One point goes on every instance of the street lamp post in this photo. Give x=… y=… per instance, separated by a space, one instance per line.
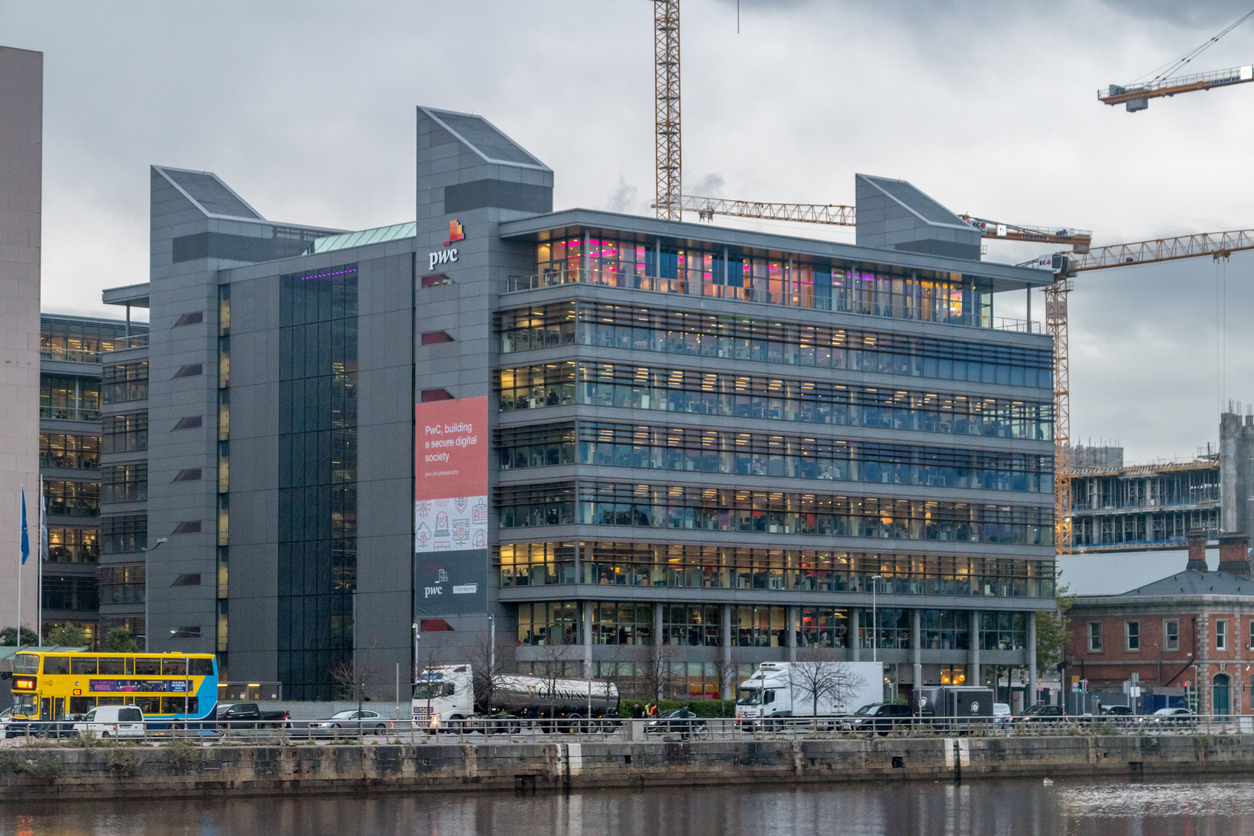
x=875 y=619
x=147 y=628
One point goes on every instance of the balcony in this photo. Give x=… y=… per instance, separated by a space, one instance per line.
x=69 y=413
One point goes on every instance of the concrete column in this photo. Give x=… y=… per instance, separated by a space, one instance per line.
x=587 y=638
x=1029 y=696
x=973 y=678
x=855 y=634
x=916 y=645
x=792 y=634
x=728 y=684
x=657 y=623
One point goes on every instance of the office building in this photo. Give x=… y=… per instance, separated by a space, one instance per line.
x=630 y=442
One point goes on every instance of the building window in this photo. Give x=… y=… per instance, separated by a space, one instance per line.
x=124 y=534
x=69 y=451
x=1131 y=635
x=1095 y=637
x=124 y=483
x=1252 y=633
x=954 y=675
x=69 y=398
x=1221 y=634
x=125 y=382
x=693 y=625
x=126 y=433
x=1003 y=631
x=1171 y=634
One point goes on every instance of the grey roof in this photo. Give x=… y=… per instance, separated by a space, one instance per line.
x=484 y=138
x=1194 y=583
x=361 y=238
x=909 y=197
x=212 y=195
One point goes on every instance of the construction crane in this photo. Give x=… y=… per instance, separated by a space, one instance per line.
x=667 y=145
x=1136 y=96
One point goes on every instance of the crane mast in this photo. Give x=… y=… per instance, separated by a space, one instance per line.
x=666 y=109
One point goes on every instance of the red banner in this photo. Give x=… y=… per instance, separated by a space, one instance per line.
x=451 y=475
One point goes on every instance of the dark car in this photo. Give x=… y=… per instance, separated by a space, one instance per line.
x=680 y=721
x=1042 y=712
x=879 y=718
x=1117 y=711
x=248 y=715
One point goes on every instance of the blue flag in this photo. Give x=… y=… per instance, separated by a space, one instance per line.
x=25 y=536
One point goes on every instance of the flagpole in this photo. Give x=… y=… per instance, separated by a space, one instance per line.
x=41 y=556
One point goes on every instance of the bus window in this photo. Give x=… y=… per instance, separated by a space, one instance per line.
x=173 y=705
x=83 y=664
x=56 y=664
x=147 y=667
x=202 y=667
x=173 y=667
x=112 y=665
x=81 y=705
x=112 y=701
x=45 y=708
x=149 y=705
x=26 y=663
x=130 y=665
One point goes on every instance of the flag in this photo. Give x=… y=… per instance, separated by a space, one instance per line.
x=25 y=535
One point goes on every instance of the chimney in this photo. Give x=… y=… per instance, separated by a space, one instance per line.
x=1234 y=554
x=1197 y=550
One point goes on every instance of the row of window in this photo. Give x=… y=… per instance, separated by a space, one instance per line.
x=68 y=398
x=740 y=396
x=73 y=545
x=72 y=499
x=70 y=451
x=122 y=382
x=692 y=625
x=697 y=334
x=124 y=482
x=773 y=279
x=125 y=433
x=712 y=509
x=796 y=570
x=759 y=454
x=1132 y=635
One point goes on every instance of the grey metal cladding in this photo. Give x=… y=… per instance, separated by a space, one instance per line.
x=235 y=247
x=947 y=249
x=483 y=136
x=894 y=214
x=498 y=194
x=211 y=193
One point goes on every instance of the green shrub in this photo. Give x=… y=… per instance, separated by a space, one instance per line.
x=123 y=762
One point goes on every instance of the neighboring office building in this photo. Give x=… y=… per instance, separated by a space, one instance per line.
x=636 y=438
x=21 y=176
x=1187 y=635
x=75 y=585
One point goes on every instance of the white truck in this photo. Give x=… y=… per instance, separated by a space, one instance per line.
x=787 y=689
x=445 y=695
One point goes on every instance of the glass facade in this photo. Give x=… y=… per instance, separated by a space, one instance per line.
x=696 y=334
x=70 y=451
x=767 y=277
x=772 y=399
x=69 y=398
x=627 y=563
x=762 y=454
x=124 y=382
x=317 y=514
x=125 y=433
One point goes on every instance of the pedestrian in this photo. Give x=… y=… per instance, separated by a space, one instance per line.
x=637 y=712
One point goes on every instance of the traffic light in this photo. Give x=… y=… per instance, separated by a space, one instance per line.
x=1079 y=686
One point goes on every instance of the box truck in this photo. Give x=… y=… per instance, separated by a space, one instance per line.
x=789 y=689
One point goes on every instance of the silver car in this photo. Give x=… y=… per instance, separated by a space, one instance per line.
x=352 y=720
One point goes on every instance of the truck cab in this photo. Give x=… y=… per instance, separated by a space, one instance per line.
x=443 y=693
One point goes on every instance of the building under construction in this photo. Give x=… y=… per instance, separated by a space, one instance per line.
x=1118 y=507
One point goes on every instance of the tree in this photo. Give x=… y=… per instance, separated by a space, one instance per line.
x=657 y=669
x=67 y=635
x=354 y=677
x=120 y=640
x=489 y=662
x=817 y=678
x=553 y=659
x=1052 y=633
x=8 y=637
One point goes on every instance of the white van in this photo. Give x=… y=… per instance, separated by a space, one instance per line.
x=113 y=721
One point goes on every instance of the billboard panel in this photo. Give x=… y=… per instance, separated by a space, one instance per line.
x=451 y=476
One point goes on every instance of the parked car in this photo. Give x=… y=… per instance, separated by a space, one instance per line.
x=680 y=721
x=1117 y=711
x=368 y=722
x=112 y=721
x=1042 y=712
x=878 y=718
x=1001 y=712
x=248 y=715
x=1171 y=717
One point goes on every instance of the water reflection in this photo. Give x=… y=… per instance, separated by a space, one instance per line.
x=1020 y=808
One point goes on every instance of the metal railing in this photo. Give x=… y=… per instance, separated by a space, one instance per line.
x=573 y=728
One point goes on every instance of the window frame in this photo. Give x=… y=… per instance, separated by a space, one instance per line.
x=1131 y=635
x=1221 y=627
x=1167 y=637
x=1091 y=634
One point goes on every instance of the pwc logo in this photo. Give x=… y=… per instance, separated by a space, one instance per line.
x=455 y=233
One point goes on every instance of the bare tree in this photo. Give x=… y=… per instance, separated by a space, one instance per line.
x=818 y=678
x=354 y=677
x=657 y=669
x=490 y=662
x=553 y=659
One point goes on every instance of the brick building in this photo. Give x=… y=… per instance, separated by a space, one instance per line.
x=1193 y=630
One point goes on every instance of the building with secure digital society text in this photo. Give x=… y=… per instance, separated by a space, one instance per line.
x=621 y=444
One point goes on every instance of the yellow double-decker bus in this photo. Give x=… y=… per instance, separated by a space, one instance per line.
x=173 y=689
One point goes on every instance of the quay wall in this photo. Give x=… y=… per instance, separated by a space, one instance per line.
x=31 y=773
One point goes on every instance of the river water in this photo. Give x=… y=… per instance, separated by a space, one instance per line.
x=1018 y=808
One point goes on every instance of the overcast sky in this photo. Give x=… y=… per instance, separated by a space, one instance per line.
x=307 y=110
